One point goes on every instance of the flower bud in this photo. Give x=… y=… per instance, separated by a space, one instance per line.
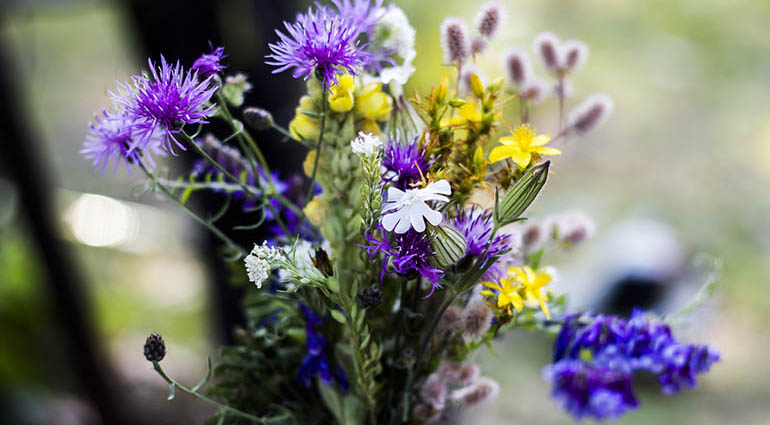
x=477 y=86
x=258 y=118
x=477 y=319
x=480 y=392
x=448 y=245
x=488 y=19
x=454 y=40
x=442 y=89
x=546 y=45
x=370 y=297
x=517 y=66
x=575 y=54
x=590 y=113
x=154 y=348
x=478 y=45
x=521 y=195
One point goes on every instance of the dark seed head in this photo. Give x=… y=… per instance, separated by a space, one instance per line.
x=154 y=348
x=258 y=118
x=370 y=297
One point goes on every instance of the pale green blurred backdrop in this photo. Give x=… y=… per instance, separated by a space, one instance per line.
x=688 y=146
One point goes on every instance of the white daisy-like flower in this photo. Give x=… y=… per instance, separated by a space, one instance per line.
x=259 y=263
x=366 y=144
x=409 y=209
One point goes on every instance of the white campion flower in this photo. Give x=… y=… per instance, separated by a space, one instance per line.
x=366 y=144
x=405 y=209
x=260 y=263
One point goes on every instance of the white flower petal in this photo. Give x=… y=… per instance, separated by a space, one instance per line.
x=403 y=225
x=389 y=221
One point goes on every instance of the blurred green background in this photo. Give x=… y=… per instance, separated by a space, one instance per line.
x=687 y=148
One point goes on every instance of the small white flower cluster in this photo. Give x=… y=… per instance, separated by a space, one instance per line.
x=396 y=34
x=260 y=263
x=409 y=209
x=366 y=144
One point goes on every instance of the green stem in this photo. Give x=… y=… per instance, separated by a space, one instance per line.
x=223 y=407
x=318 y=147
x=283 y=131
x=218 y=233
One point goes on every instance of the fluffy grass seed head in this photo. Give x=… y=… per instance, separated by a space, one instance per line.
x=489 y=19
x=477 y=319
x=590 y=113
x=478 y=393
x=518 y=68
x=455 y=41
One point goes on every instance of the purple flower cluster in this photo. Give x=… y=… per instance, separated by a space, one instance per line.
x=166 y=100
x=618 y=347
x=316 y=363
x=210 y=63
x=476 y=226
x=405 y=163
x=407 y=252
x=109 y=138
x=323 y=40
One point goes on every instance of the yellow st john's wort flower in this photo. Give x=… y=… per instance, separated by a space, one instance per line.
x=341 y=94
x=533 y=283
x=371 y=103
x=508 y=293
x=521 y=146
x=315 y=211
x=309 y=163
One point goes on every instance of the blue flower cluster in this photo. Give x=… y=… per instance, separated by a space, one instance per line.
x=595 y=356
x=316 y=363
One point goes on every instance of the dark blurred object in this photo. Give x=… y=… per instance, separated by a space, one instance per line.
x=23 y=165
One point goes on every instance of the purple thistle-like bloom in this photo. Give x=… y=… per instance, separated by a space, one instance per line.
x=584 y=390
x=406 y=163
x=363 y=13
x=110 y=138
x=319 y=40
x=476 y=226
x=209 y=63
x=164 y=101
x=618 y=345
x=407 y=252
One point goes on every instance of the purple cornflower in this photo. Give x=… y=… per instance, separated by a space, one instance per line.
x=624 y=346
x=407 y=252
x=110 y=138
x=584 y=390
x=319 y=40
x=363 y=13
x=164 y=101
x=209 y=63
x=406 y=163
x=476 y=226
x=316 y=362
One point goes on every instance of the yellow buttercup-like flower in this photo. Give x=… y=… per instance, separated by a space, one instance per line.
x=520 y=285
x=508 y=293
x=315 y=211
x=371 y=103
x=341 y=94
x=521 y=146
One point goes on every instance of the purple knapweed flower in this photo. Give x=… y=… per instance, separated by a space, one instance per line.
x=210 y=63
x=476 y=226
x=110 y=139
x=322 y=41
x=405 y=163
x=408 y=252
x=584 y=390
x=362 y=13
x=164 y=101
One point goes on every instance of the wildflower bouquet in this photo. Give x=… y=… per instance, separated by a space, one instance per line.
x=408 y=251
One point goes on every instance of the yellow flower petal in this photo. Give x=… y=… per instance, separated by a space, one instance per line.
x=522 y=159
x=546 y=151
x=541 y=140
x=500 y=153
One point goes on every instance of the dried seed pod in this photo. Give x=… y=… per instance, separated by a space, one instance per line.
x=517 y=67
x=455 y=41
x=590 y=113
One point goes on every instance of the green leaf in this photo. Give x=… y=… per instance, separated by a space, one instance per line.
x=338 y=316
x=205 y=379
x=186 y=194
x=171 y=391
